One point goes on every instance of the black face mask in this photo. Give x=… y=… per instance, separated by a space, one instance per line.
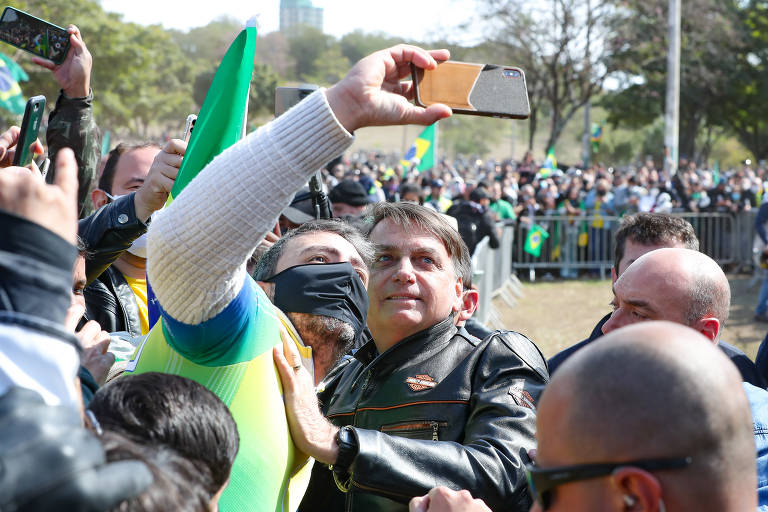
x=332 y=289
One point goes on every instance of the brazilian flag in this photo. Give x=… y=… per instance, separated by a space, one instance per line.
x=10 y=92
x=536 y=236
x=422 y=152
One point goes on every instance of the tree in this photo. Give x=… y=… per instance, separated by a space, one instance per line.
x=561 y=49
x=306 y=46
x=710 y=44
x=743 y=109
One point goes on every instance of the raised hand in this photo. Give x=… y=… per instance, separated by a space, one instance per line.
x=372 y=93
x=74 y=74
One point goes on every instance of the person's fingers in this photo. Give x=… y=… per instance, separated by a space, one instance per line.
x=163 y=183
x=88 y=334
x=45 y=63
x=271 y=237
x=74 y=313
x=418 y=504
x=427 y=116
x=170 y=159
x=37 y=147
x=405 y=54
x=176 y=146
x=8 y=140
x=102 y=342
x=66 y=173
x=440 y=55
x=283 y=368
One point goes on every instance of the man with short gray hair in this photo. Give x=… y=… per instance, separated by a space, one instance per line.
x=424 y=402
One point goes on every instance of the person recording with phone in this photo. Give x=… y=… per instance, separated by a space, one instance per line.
x=71 y=123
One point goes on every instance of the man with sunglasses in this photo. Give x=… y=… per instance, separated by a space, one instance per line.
x=652 y=417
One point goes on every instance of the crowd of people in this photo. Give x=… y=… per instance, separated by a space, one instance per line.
x=304 y=363
x=527 y=188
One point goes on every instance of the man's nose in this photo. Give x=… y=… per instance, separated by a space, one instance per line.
x=404 y=271
x=613 y=323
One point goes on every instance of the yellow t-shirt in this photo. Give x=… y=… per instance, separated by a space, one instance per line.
x=139 y=288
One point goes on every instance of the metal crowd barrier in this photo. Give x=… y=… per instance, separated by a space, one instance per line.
x=578 y=244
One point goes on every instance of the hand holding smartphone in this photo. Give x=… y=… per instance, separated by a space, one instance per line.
x=30 y=125
x=475 y=89
x=34 y=35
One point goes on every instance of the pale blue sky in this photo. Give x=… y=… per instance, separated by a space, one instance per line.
x=411 y=19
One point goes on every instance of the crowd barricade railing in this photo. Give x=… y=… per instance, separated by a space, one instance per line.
x=492 y=270
x=576 y=244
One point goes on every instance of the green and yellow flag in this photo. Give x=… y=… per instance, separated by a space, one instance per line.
x=11 y=74
x=422 y=153
x=536 y=236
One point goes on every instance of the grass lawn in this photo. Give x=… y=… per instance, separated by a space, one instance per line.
x=558 y=314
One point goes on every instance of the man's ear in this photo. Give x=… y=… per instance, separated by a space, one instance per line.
x=458 y=299
x=709 y=326
x=98 y=198
x=614 y=275
x=638 y=489
x=469 y=301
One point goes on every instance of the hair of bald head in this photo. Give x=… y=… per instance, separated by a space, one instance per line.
x=647 y=228
x=661 y=390
x=709 y=293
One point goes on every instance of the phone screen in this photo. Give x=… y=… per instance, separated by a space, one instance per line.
x=34 y=35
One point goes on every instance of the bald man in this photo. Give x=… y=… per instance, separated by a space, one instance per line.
x=683 y=286
x=664 y=414
x=649 y=418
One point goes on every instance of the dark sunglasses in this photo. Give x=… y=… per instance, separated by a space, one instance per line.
x=542 y=481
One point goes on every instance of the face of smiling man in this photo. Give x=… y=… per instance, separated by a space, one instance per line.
x=413 y=283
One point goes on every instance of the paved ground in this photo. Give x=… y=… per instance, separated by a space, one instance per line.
x=558 y=314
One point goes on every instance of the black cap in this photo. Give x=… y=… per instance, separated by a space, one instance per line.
x=478 y=194
x=349 y=192
x=300 y=209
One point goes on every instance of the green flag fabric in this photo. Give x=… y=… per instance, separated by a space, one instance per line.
x=422 y=153
x=536 y=236
x=221 y=119
x=219 y=124
x=11 y=74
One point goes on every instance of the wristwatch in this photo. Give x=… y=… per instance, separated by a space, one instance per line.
x=346 y=439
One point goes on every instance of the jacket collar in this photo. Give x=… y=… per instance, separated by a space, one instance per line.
x=442 y=330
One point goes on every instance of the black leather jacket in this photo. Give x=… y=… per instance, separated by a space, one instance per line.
x=439 y=408
x=107 y=233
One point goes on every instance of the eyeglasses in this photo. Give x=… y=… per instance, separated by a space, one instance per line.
x=542 y=481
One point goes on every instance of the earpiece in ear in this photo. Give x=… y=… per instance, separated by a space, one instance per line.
x=630 y=501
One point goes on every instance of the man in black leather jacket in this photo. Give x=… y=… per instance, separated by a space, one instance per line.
x=424 y=403
x=138 y=179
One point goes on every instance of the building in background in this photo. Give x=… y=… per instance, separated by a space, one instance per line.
x=300 y=12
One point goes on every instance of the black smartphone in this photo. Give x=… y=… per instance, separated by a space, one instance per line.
x=475 y=89
x=34 y=35
x=30 y=125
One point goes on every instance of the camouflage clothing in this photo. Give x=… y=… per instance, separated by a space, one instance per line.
x=71 y=125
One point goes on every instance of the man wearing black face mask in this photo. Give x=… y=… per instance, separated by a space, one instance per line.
x=326 y=303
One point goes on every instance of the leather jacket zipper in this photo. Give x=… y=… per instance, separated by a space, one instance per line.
x=415 y=426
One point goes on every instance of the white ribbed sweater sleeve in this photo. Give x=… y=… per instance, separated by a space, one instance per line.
x=198 y=246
